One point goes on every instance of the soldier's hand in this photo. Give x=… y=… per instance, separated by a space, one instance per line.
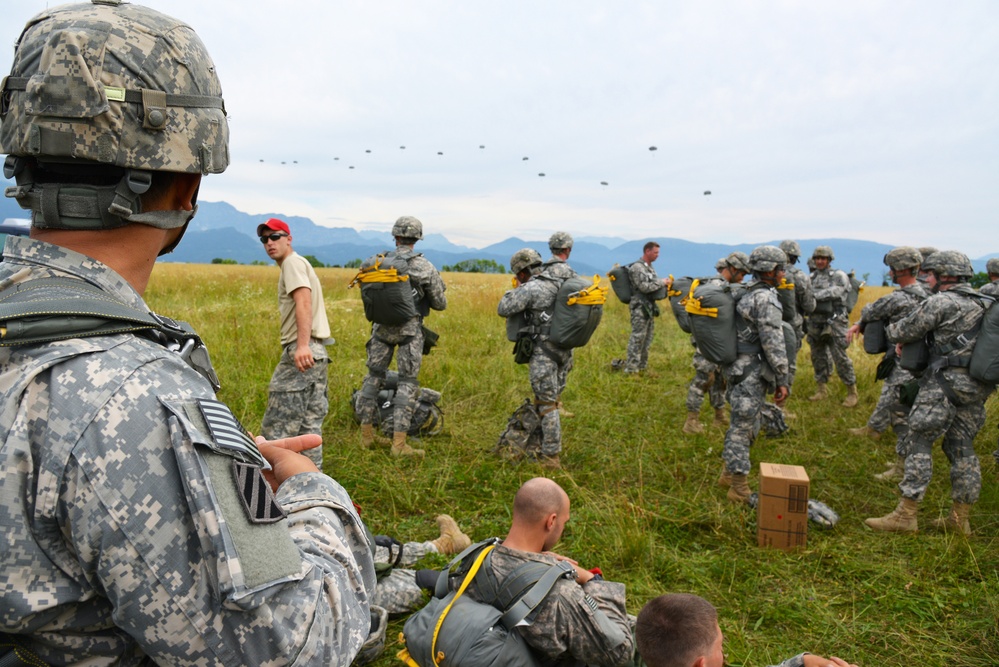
x=285 y=459
x=780 y=395
x=304 y=359
x=852 y=333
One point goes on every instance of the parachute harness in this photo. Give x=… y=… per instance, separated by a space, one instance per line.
x=375 y=274
x=594 y=295
x=693 y=305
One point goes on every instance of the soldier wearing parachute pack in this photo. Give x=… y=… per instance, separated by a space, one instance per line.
x=951 y=402
x=802 y=303
x=557 y=266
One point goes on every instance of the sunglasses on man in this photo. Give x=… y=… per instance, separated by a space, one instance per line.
x=271 y=237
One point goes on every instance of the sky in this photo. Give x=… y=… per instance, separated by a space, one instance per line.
x=864 y=119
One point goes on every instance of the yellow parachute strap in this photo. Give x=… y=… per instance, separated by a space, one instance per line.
x=670 y=292
x=594 y=295
x=404 y=655
x=437 y=657
x=785 y=285
x=375 y=274
x=693 y=304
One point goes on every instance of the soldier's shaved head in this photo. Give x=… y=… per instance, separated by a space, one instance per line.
x=537 y=499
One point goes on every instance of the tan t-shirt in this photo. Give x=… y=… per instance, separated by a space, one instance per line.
x=296 y=272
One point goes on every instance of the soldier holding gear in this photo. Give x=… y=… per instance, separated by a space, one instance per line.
x=950 y=403
x=535 y=295
x=407 y=338
x=708 y=376
x=560 y=244
x=129 y=536
x=760 y=367
x=643 y=308
x=827 y=327
x=903 y=264
x=803 y=302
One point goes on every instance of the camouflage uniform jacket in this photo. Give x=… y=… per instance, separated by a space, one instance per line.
x=536 y=298
x=574 y=624
x=425 y=279
x=830 y=285
x=894 y=305
x=804 y=295
x=948 y=315
x=991 y=289
x=129 y=535
x=760 y=309
x=644 y=281
x=556 y=267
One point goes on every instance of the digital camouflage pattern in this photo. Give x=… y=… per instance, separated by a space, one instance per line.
x=126 y=538
x=950 y=403
x=547 y=365
x=297 y=402
x=752 y=375
x=75 y=63
x=804 y=304
x=398 y=592
x=827 y=331
x=991 y=289
x=560 y=241
x=574 y=624
x=643 y=310
x=559 y=269
x=408 y=227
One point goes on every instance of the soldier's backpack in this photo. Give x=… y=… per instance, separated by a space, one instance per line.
x=788 y=301
x=856 y=287
x=427 y=419
x=579 y=305
x=713 y=320
x=677 y=291
x=984 y=365
x=875 y=340
x=454 y=630
x=521 y=439
x=388 y=296
x=620 y=281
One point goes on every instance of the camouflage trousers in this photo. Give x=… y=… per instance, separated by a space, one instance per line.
x=297 y=402
x=410 y=356
x=708 y=378
x=827 y=339
x=747 y=399
x=792 y=362
x=642 y=330
x=563 y=374
x=398 y=592
x=545 y=370
x=958 y=420
x=890 y=411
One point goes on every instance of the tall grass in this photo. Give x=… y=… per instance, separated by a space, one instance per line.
x=645 y=505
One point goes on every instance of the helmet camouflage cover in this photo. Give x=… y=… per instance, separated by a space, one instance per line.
x=560 y=241
x=408 y=227
x=950 y=263
x=903 y=257
x=766 y=258
x=524 y=259
x=739 y=261
x=992 y=266
x=720 y=264
x=791 y=249
x=823 y=251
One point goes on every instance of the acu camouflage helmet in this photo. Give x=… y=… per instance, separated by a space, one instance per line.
x=992 y=266
x=823 y=251
x=524 y=259
x=791 y=249
x=903 y=257
x=408 y=227
x=766 y=258
x=949 y=263
x=560 y=241
x=739 y=261
x=720 y=264
x=926 y=251
x=108 y=85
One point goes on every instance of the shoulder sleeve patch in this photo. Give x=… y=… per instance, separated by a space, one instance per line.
x=255 y=492
x=228 y=435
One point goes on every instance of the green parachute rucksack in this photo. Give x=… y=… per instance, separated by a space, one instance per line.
x=677 y=292
x=788 y=302
x=388 y=296
x=620 y=281
x=984 y=365
x=579 y=305
x=713 y=320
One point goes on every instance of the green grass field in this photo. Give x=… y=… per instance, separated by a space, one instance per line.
x=645 y=507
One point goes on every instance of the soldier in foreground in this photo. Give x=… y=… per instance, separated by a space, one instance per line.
x=128 y=535
x=827 y=327
x=950 y=403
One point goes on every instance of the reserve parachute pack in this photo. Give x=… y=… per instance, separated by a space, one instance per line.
x=788 y=301
x=677 y=291
x=620 y=281
x=875 y=340
x=388 y=296
x=427 y=419
x=579 y=305
x=454 y=630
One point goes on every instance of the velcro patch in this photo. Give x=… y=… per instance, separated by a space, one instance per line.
x=255 y=492
x=228 y=433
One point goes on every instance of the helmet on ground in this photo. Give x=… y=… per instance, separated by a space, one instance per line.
x=766 y=258
x=823 y=251
x=408 y=227
x=950 y=263
x=560 y=241
x=903 y=257
x=791 y=249
x=739 y=261
x=524 y=259
x=992 y=266
x=113 y=92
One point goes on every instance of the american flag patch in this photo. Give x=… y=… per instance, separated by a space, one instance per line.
x=590 y=602
x=228 y=433
x=261 y=507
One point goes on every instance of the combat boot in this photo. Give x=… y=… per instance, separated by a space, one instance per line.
x=902 y=519
x=725 y=480
x=452 y=540
x=821 y=393
x=721 y=418
x=739 y=491
x=550 y=462
x=864 y=431
x=851 y=397
x=400 y=448
x=367 y=435
x=895 y=471
x=693 y=424
x=957 y=520
x=562 y=412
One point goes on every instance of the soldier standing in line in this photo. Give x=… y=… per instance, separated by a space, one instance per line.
x=560 y=244
x=708 y=376
x=643 y=309
x=925 y=251
x=535 y=295
x=903 y=264
x=992 y=269
x=760 y=367
x=827 y=327
x=802 y=305
x=950 y=403
x=297 y=400
x=407 y=338
x=142 y=525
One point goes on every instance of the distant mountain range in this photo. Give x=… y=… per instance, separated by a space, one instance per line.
x=221 y=231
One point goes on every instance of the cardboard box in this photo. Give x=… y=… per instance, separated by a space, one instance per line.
x=782 y=512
